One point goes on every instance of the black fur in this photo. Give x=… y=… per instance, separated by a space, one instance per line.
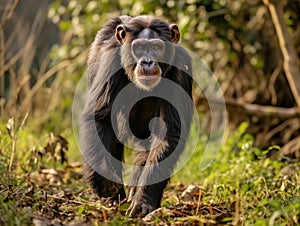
x=106 y=78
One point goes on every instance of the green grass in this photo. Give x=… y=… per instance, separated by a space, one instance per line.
x=242 y=186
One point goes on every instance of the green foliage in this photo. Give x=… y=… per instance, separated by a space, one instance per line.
x=243 y=173
x=27 y=173
x=243 y=180
x=80 y=20
x=10 y=214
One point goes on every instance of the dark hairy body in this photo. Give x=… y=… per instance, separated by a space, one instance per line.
x=141 y=51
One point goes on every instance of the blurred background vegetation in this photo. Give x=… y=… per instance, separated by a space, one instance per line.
x=251 y=46
x=44 y=48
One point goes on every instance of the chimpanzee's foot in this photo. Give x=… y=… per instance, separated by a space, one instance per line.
x=141 y=205
x=116 y=199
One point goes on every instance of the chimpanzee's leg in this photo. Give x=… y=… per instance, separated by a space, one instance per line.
x=156 y=172
x=103 y=155
x=140 y=160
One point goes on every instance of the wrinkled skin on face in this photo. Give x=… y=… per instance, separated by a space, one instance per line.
x=146 y=56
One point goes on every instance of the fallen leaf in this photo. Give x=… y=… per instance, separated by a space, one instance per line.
x=188 y=194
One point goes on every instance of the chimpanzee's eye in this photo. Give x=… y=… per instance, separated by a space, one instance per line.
x=155 y=47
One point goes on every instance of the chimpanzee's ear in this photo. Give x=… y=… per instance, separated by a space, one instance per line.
x=120 y=33
x=175 y=34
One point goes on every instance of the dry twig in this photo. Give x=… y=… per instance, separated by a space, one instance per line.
x=290 y=63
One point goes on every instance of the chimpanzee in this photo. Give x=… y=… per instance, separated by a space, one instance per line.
x=141 y=54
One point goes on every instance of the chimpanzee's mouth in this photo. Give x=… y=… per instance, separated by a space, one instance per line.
x=148 y=77
x=147 y=82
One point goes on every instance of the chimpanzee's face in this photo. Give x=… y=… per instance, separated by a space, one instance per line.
x=148 y=51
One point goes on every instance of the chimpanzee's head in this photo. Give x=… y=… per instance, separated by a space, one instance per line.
x=147 y=51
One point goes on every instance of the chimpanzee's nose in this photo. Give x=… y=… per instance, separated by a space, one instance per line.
x=148 y=64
